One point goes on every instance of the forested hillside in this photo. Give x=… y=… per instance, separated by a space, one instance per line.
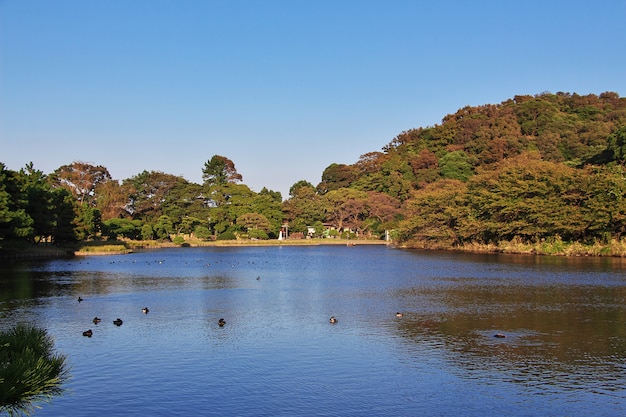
x=530 y=170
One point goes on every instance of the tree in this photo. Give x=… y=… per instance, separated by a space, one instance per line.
x=15 y=222
x=431 y=215
x=150 y=191
x=220 y=170
x=112 y=199
x=382 y=211
x=301 y=186
x=524 y=198
x=455 y=165
x=202 y=232
x=127 y=228
x=146 y=232
x=304 y=208
x=336 y=176
x=30 y=371
x=163 y=228
x=345 y=207
x=425 y=166
x=617 y=145
x=88 y=222
x=253 y=222
x=81 y=179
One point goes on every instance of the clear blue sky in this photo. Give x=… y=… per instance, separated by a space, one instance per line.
x=282 y=88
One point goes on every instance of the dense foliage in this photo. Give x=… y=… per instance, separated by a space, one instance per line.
x=532 y=168
x=30 y=371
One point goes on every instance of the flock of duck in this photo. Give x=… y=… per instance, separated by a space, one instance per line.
x=221 y=322
x=118 y=322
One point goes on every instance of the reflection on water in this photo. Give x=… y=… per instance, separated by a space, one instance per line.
x=563 y=322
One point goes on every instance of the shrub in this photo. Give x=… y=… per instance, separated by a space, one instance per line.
x=227 y=235
x=29 y=370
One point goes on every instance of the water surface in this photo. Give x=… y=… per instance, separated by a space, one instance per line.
x=563 y=355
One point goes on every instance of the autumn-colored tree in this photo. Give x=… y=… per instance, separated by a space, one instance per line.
x=425 y=167
x=431 y=215
x=524 y=198
x=112 y=199
x=345 y=208
x=381 y=214
x=604 y=206
x=81 y=179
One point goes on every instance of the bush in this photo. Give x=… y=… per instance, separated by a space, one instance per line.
x=227 y=235
x=257 y=234
x=202 y=232
x=29 y=371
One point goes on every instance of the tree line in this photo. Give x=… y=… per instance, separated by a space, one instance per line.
x=549 y=166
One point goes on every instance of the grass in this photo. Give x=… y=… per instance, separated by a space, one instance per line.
x=551 y=247
x=102 y=248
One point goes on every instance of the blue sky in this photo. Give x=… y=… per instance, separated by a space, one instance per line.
x=282 y=88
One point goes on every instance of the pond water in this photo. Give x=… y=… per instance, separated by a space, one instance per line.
x=563 y=354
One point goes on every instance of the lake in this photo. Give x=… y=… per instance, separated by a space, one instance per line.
x=563 y=320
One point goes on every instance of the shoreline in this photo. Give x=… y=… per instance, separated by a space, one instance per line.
x=102 y=248
x=126 y=247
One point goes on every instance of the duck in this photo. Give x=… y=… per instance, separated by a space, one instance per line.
x=118 y=322
x=96 y=320
x=398 y=314
x=145 y=310
x=221 y=322
x=333 y=319
x=88 y=333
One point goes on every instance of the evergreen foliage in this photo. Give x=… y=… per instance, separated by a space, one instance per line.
x=30 y=372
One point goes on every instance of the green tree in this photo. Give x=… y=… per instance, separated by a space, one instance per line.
x=88 y=222
x=301 y=186
x=220 y=170
x=617 y=145
x=146 y=232
x=15 y=223
x=150 y=191
x=304 y=208
x=30 y=371
x=127 y=228
x=163 y=228
x=455 y=165
x=253 y=222
x=202 y=232
x=336 y=176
